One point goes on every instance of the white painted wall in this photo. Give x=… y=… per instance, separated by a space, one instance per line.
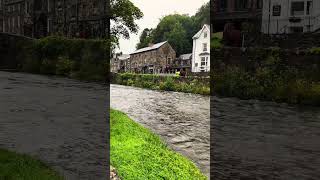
x=198 y=40
x=281 y=24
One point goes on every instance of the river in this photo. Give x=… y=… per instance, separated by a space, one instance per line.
x=182 y=120
x=264 y=140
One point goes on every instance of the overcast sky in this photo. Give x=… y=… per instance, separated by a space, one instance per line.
x=153 y=10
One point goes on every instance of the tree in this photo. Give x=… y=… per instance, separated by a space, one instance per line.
x=203 y=15
x=123 y=16
x=177 y=30
x=145 y=38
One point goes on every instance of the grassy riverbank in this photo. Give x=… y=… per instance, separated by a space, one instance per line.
x=137 y=153
x=14 y=166
x=194 y=85
x=272 y=74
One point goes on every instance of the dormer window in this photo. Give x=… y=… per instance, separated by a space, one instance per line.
x=205 y=35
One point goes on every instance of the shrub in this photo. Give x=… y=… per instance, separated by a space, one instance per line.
x=156 y=82
x=64 y=66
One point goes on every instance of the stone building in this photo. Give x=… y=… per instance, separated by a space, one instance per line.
x=157 y=58
x=120 y=63
x=236 y=11
x=40 y=18
x=183 y=63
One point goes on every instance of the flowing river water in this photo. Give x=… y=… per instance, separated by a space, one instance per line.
x=250 y=139
x=60 y=121
x=264 y=140
x=182 y=120
x=63 y=123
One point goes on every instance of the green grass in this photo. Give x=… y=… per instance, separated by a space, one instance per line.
x=15 y=166
x=137 y=153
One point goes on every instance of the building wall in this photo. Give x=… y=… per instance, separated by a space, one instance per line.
x=237 y=5
x=155 y=61
x=281 y=23
x=40 y=18
x=198 y=49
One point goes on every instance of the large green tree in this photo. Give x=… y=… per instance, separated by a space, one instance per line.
x=177 y=30
x=145 y=38
x=203 y=15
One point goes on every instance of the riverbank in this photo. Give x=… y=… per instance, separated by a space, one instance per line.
x=269 y=74
x=137 y=153
x=20 y=166
x=182 y=120
x=196 y=85
x=83 y=59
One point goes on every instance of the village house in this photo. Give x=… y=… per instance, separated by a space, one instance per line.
x=120 y=63
x=154 y=59
x=237 y=12
x=183 y=63
x=201 y=50
x=40 y=18
x=290 y=16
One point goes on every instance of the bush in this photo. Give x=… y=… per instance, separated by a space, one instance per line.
x=156 y=82
x=64 y=66
x=76 y=58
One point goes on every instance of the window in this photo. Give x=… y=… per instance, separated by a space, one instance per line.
x=205 y=47
x=169 y=60
x=276 y=10
x=297 y=8
x=205 y=34
x=196 y=64
x=203 y=61
x=223 y=5
x=241 y=5
x=298 y=29
x=309 y=7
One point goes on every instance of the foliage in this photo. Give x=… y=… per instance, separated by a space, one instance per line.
x=123 y=16
x=177 y=29
x=166 y=83
x=145 y=38
x=137 y=153
x=77 y=58
x=274 y=79
x=203 y=15
x=17 y=166
x=315 y=50
x=216 y=40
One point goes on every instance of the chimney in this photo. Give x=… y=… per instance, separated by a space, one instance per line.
x=150 y=44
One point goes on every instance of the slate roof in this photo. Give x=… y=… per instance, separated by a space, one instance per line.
x=124 y=57
x=153 y=47
x=186 y=56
